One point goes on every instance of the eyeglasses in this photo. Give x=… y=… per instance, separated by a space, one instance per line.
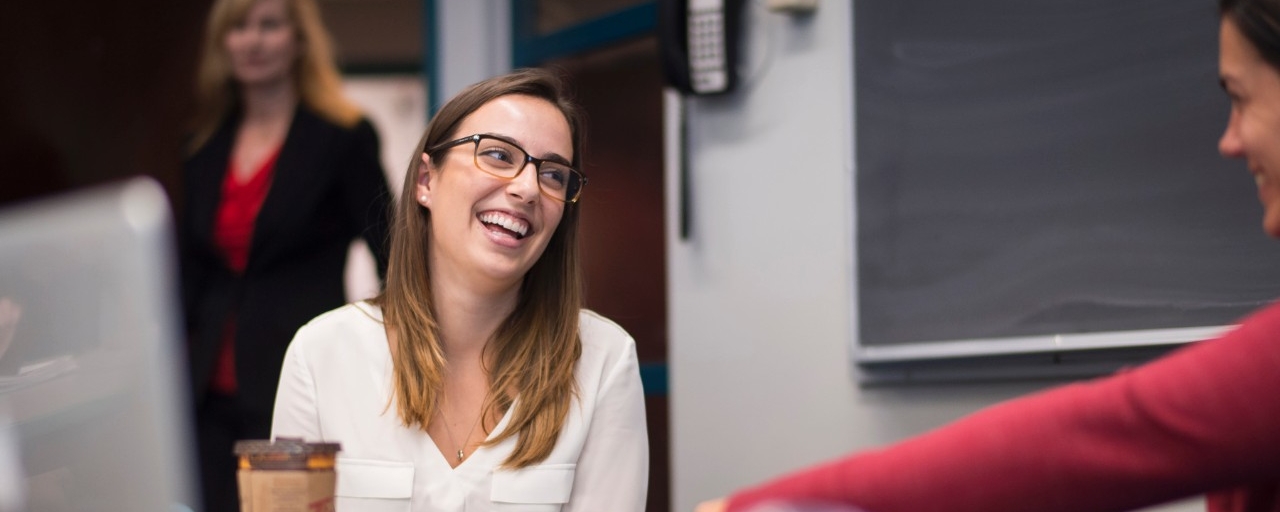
x=504 y=159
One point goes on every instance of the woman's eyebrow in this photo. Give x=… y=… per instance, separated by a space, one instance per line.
x=555 y=157
x=550 y=156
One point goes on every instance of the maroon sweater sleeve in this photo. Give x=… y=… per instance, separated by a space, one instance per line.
x=1203 y=418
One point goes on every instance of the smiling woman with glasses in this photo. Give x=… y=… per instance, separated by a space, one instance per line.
x=492 y=388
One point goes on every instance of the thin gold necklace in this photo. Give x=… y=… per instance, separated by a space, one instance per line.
x=448 y=430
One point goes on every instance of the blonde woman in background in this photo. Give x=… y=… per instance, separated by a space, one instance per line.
x=476 y=381
x=282 y=174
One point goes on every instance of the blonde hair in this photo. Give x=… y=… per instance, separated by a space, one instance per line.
x=535 y=349
x=316 y=77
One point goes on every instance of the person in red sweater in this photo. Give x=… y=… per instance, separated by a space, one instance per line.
x=1202 y=420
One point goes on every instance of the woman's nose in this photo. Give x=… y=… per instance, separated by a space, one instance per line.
x=1230 y=145
x=525 y=185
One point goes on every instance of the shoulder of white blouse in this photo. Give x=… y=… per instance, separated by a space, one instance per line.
x=600 y=333
x=325 y=327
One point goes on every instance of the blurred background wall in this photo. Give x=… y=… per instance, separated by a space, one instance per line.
x=93 y=91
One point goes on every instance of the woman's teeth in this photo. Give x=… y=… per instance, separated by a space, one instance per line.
x=512 y=224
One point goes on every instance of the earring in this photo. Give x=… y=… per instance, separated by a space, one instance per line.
x=422 y=199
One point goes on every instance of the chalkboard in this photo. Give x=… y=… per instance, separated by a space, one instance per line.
x=1029 y=170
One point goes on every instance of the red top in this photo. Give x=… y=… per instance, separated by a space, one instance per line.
x=233 y=235
x=1204 y=419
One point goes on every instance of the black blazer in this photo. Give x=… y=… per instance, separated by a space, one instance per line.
x=328 y=188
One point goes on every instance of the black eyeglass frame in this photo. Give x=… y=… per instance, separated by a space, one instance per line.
x=537 y=162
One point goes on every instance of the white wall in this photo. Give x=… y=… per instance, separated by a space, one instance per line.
x=762 y=295
x=475 y=43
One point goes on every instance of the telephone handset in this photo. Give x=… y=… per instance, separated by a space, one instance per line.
x=700 y=44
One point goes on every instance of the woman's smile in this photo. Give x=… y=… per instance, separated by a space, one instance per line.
x=504 y=226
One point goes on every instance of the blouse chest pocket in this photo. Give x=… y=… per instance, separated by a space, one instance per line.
x=373 y=486
x=543 y=488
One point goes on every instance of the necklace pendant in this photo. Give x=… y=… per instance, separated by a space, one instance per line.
x=460 y=455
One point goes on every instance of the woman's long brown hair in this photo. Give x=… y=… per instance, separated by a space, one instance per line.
x=534 y=351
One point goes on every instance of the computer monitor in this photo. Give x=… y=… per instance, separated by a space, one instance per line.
x=94 y=406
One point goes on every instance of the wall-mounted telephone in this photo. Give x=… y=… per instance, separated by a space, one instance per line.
x=700 y=44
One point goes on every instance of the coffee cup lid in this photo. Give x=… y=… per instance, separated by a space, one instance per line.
x=284 y=445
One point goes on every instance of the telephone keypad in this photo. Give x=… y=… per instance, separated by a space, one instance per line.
x=708 y=60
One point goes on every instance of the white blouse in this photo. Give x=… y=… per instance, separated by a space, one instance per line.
x=336 y=387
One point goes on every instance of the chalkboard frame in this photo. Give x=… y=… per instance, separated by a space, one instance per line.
x=920 y=60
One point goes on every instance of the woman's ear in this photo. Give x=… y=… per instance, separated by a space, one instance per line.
x=426 y=173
